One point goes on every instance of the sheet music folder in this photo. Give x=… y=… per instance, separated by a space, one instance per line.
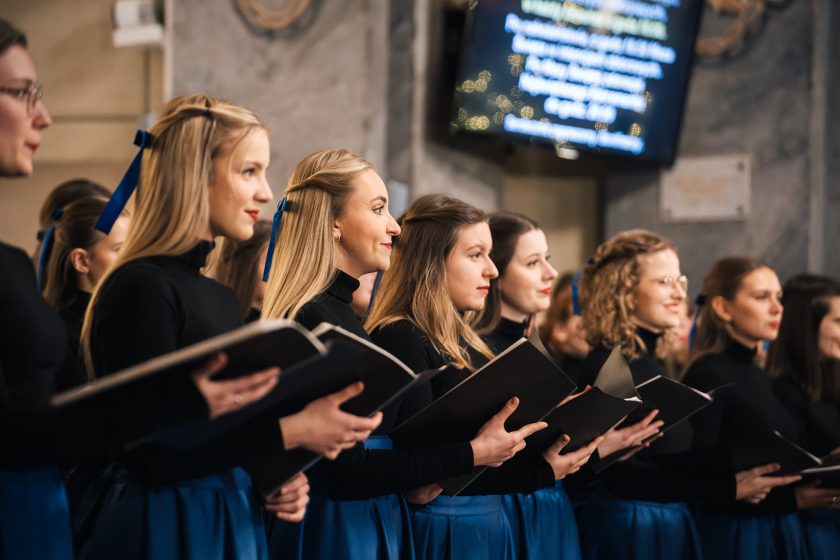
x=523 y=370
x=594 y=412
x=311 y=369
x=763 y=447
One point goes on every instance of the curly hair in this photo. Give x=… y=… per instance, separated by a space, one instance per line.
x=607 y=287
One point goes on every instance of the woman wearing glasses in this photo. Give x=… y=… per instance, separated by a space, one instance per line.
x=633 y=294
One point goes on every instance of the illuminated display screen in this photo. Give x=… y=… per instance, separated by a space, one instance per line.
x=599 y=76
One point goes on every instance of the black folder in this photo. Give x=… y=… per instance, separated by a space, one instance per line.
x=675 y=401
x=765 y=446
x=250 y=348
x=594 y=412
x=523 y=371
x=347 y=358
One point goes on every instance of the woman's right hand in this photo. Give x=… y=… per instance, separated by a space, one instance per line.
x=754 y=484
x=571 y=462
x=813 y=496
x=324 y=428
x=632 y=435
x=229 y=395
x=494 y=445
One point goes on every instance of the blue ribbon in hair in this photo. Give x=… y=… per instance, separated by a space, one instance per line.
x=124 y=190
x=275 y=231
x=46 y=248
x=700 y=300
x=576 y=293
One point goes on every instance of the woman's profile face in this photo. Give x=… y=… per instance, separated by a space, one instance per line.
x=469 y=268
x=93 y=262
x=829 y=333
x=755 y=312
x=239 y=187
x=366 y=229
x=20 y=128
x=528 y=278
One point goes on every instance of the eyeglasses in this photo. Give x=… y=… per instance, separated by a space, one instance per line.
x=670 y=282
x=31 y=95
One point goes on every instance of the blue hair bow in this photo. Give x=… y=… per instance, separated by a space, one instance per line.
x=124 y=190
x=46 y=248
x=576 y=293
x=692 y=333
x=275 y=231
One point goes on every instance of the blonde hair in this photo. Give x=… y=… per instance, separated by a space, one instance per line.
x=171 y=207
x=305 y=260
x=607 y=288
x=414 y=287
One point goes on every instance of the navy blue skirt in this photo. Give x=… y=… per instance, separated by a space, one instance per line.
x=613 y=529
x=211 y=518
x=543 y=524
x=462 y=528
x=375 y=528
x=745 y=536
x=34 y=516
x=821 y=531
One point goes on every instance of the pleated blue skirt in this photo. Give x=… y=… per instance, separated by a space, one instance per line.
x=613 y=529
x=371 y=529
x=211 y=518
x=821 y=531
x=462 y=528
x=34 y=516
x=543 y=524
x=745 y=536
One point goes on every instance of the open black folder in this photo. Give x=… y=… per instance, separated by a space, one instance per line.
x=250 y=348
x=591 y=414
x=675 y=401
x=767 y=446
x=311 y=370
x=523 y=370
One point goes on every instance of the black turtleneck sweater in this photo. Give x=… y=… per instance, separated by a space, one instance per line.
x=667 y=471
x=505 y=334
x=360 y=473
x=156 y=305
x=72 y=372
x=748 y=405
x=32 y=344
x=819 y=420
x=408 y=343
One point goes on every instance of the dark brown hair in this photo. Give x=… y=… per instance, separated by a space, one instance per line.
x=796 y=352
x=506 y=229
x=74 y=229
x=11 y=36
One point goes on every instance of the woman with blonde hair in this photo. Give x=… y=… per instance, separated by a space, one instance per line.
x=632 y=294
x=742 y=308
x=423 y=312
x=202 y=174
x=333 y=227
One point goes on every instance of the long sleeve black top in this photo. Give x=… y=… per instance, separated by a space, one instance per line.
x=156 y=305
x=363 y=473
x=820 y=421
x=406 y=341
x=72 y=373
x=747 y=405
x=32 y=345
x=667 y=471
